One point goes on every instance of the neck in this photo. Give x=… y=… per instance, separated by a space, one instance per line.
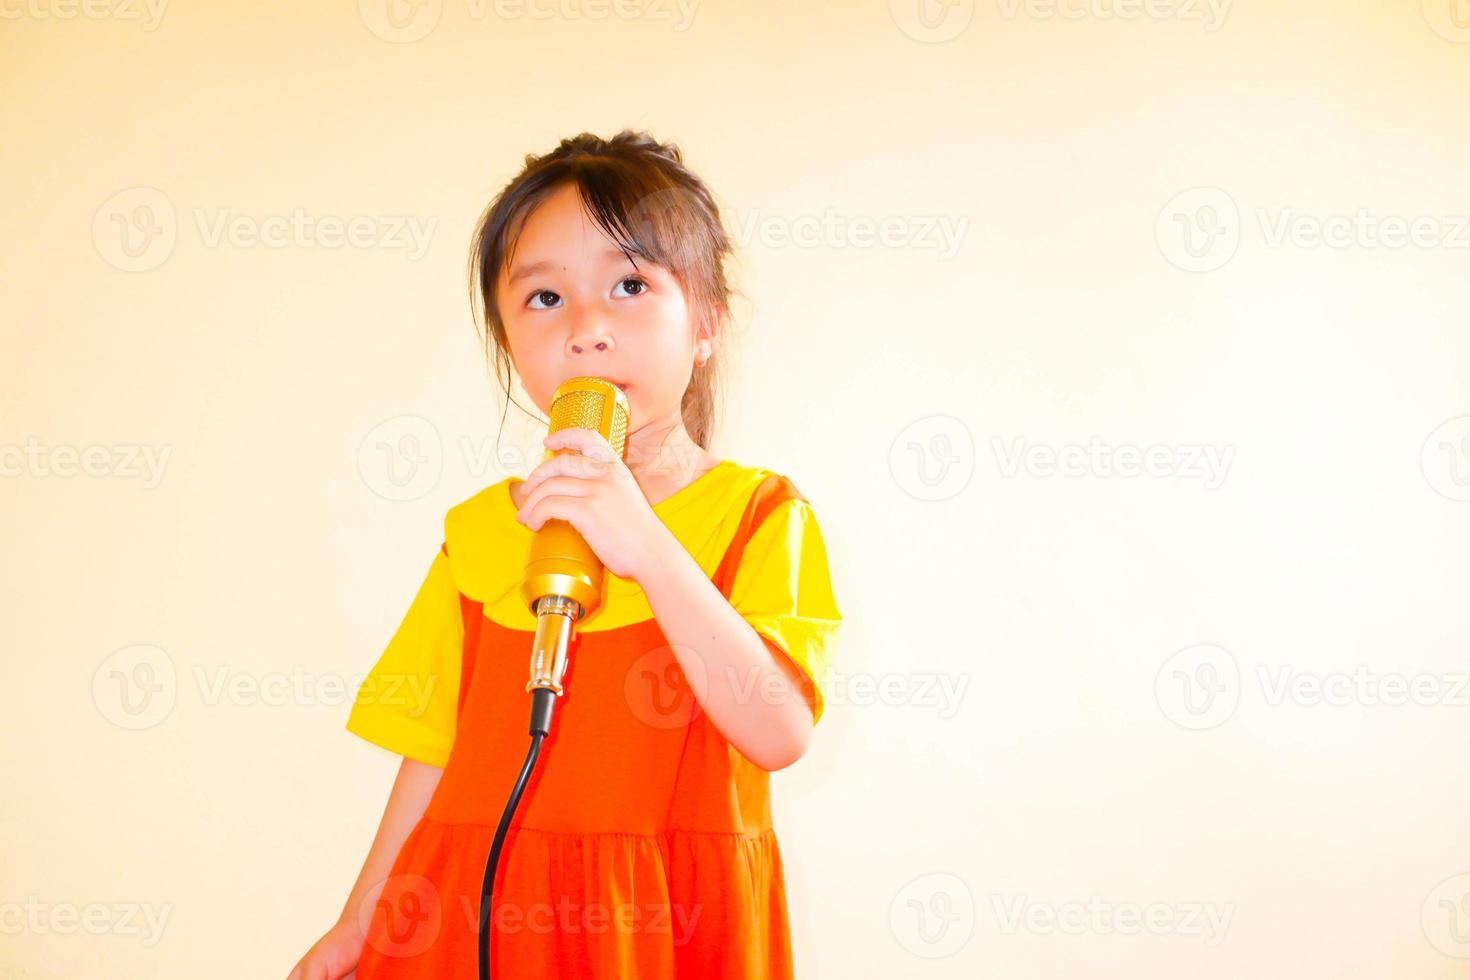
x=661 y=453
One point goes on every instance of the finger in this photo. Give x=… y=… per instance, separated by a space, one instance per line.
x=572 y=463
x=566 y=464
x=555 y=508
x=588 y=442
x=564 y=486
x=568 y=461
x=551 y=500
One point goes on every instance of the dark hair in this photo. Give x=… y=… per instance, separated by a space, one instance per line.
x=641 y=194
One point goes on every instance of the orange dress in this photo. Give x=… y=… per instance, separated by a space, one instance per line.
x=643 y=845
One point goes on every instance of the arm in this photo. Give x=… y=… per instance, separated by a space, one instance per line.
x=336 y=954
x=748 y=689
x=406 y=804
x=757 y=698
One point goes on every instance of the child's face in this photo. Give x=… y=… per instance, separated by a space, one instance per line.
x=574 y=305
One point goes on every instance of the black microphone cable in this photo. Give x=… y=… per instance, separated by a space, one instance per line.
x=555 y=614
x=563 y=585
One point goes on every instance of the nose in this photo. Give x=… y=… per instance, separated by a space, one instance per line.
x=590 y=333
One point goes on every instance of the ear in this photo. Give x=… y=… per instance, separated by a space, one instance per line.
x=707 y=333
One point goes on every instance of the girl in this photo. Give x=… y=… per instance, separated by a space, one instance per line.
x=643 y=845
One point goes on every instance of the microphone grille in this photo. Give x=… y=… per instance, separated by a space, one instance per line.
x=592 y=403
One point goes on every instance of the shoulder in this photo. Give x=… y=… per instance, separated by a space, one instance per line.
x=478 y=510
x=770 y=491
x=749 y=478
x=772 y=517
x=479 y=532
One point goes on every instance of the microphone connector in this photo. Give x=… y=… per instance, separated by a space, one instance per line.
x=549 y=656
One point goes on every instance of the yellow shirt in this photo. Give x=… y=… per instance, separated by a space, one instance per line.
x=409 y=701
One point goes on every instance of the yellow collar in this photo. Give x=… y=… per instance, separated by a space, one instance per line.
x=487 y=546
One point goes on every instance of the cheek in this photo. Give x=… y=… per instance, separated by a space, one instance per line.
x=527 y=366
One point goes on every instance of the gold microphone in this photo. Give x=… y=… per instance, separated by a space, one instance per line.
x=563 y=575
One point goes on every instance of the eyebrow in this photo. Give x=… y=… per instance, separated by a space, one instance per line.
x=521 y=272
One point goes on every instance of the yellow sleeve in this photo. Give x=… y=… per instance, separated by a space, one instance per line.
x=784 y=591
x=408 y=701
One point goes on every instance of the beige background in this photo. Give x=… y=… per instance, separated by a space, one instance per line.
x=227 y=460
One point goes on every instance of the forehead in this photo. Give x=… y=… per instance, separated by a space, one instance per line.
x=558 y=227
x=559 y=233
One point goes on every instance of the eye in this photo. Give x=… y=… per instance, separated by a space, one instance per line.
x=538 y=294
x=642 y=286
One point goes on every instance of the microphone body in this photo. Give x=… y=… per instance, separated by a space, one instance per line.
x=563 y=582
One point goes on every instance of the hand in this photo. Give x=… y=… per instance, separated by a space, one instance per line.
x=597 y=494
x=334 y=956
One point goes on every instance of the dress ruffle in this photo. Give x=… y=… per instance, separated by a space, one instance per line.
x=646 y=906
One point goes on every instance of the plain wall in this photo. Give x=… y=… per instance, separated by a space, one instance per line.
x=1138 y=496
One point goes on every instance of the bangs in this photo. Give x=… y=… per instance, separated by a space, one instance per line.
x=657 y=222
